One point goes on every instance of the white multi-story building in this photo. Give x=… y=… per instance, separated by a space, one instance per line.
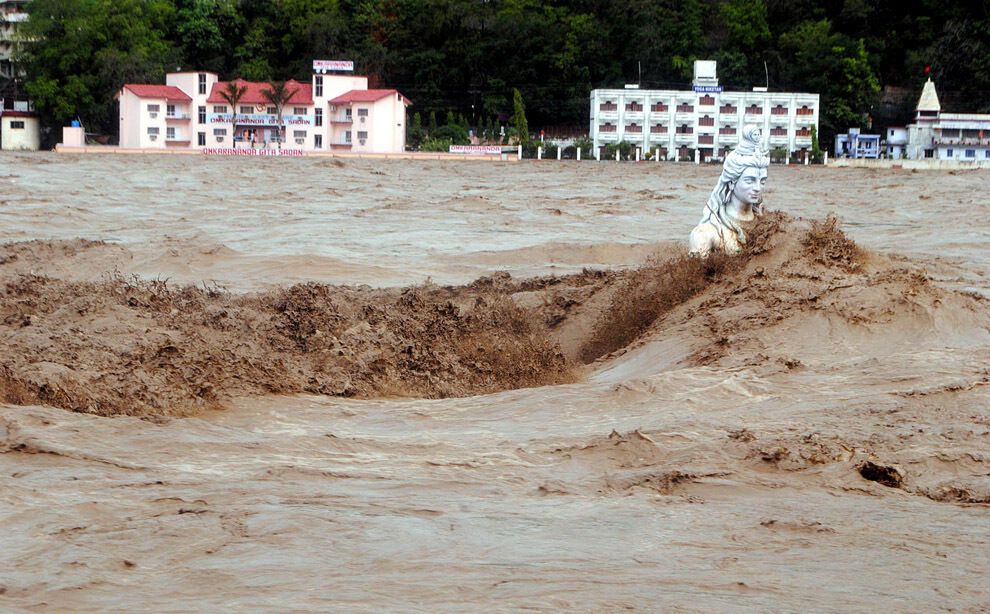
x=331 y=112
x=946 y=136
x=12 y=14
x=705 y=118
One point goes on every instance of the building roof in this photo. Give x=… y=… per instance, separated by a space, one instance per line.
x=929 y=98
x=366 y=96
x=168 y=92
x=303 y=92
x=18 y=114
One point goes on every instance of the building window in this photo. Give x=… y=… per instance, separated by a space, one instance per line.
x=349 y=114
x=634 y=128
x=153 y=130
x=658 y=108
x=319 y=85
x=929 y=153
x=658 y=129
x=362 y=112
x=362 y=135
x=634 y=106
x=154 y=108
x=202 y=115
x=298 y=134
x=685 y=108
x=201 y=139
x=778 y=110
x=318 y=117
x=804 y=110
x=170 y=110
x=16 y=125
x=219 y=132
x=754 y=110
x=298 y=110
x=347 y=136
x=607 y=127
x=170 y=133
x=728 y=108
x=948 y=152
x=706 y=121
x=318 y=141
x=272 y=110
x=970 y=153
x=220 y=108
x=986 y=153
x=202 y=83
x=706 y=100
x=247 y=109
x=608 y=106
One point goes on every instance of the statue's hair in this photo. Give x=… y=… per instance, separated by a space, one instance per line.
x=750 y=152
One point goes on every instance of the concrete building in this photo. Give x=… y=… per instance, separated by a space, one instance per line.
x=705 y=118
x=897 y=141
x=20 y=130
x=12 y=14
x=936 y=135
x=856 y=145
x=330 y=112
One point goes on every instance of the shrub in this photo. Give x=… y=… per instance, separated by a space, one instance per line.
x=432 y=144
x=453 y=133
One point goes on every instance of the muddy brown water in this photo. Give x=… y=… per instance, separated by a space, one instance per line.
x=713 y=465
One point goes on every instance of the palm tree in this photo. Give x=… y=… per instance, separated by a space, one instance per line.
x=278 y=95
x=233 y=93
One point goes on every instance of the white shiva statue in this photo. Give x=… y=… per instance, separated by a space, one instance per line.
x=737 y=198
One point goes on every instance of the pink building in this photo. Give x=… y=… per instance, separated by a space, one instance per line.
x=331 y=112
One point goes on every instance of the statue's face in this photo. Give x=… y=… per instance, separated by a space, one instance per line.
x=749 y=187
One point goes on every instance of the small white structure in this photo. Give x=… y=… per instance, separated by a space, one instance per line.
x=897 y=141
x=20 y=130
x=331 y=111
x=705 y=119
x=964 y=137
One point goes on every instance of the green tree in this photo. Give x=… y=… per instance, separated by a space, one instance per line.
x=232 y=92
x=837 y=67
x=519 y=117
x=433 y=122
x=78 y=54
x=278 y=94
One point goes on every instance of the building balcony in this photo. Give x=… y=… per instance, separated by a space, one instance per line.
x=343 y=119
x=684 y=117
x=805 y=119
x=954 y=141
x=684 y=138
x=607 y=114
x=707 y=129
x=14 y=17
x=729 y=118
x=802 y=140
x=178 y=117
x=728 y=138
x=608 y=136
x=753 y=119
x=341 y=145
x=632 y=115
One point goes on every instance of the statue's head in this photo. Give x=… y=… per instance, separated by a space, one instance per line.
x=744 y=172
